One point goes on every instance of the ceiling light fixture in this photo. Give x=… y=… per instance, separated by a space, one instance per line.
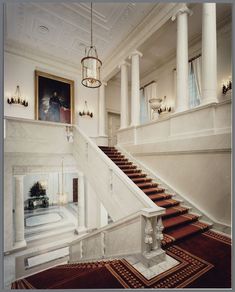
x=43 y=29
x=91 y=65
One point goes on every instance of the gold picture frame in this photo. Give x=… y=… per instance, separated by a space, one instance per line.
x=54 y=98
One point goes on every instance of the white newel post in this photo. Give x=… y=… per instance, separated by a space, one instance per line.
x=19 y=211
x=182 y=94
x=135 y=87
x=81 y=204
x=124 y=95
x=209 y=54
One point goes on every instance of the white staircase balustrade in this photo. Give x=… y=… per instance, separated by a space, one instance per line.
x=139 y=234
x=119 y=195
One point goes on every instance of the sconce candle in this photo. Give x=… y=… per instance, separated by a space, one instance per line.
x=86 y=112
x=226 y=88
x=17 y=99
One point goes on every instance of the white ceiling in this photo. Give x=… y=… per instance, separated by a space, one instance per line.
x=68 y=27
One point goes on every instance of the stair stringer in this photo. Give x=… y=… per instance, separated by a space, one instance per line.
x=204 y=217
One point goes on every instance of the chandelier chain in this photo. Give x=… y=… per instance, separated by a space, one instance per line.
x=91 y=28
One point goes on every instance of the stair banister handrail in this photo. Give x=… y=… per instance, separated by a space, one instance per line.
x=128 y=182
x=147 y=212
x=142 y=241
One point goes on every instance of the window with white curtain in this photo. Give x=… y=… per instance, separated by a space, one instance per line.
x=194 y=82
x=194 y=99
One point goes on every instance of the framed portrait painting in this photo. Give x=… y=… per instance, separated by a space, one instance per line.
x=54 y=98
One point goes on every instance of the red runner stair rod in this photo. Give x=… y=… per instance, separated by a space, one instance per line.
x=177 y=222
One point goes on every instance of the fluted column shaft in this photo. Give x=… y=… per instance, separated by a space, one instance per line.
x=81 y=203
x=19 y=209
x=182 y=94
x=135 y=88
x=209 y=53
x=124 y=95
x=102 y=113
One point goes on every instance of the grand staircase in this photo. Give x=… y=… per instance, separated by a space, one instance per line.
x=177 y=221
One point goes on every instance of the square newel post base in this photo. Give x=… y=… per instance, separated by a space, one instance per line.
x=152 y=258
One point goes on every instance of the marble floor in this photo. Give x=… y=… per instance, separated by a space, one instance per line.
x=46 y=228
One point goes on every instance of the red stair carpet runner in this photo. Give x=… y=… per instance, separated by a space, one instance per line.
x=177 y=222
x=204 y=262
x=204 y=256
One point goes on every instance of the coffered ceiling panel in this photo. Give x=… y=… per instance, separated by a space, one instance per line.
x=62 y=30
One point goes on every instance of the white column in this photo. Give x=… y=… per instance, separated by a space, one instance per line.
x=102 y=113
x=209 y=54
x=124 y=95
x=182 y=94
x=19 y=211
x=81 y=204
x=135 y=88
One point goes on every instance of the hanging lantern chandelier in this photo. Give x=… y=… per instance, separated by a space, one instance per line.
x=91 y=65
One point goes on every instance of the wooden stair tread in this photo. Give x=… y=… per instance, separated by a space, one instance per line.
x=136 y=175
x=174 y=211
x=184 y=231
x=178 y=220
x=142 y=179
x=159 y=196
x=146 y=185
x=167 y=203
x=153 y=190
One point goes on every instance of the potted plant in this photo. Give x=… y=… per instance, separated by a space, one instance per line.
x=38 y=196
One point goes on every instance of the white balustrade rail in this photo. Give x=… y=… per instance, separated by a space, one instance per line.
x=119 y=195
x=139 y=234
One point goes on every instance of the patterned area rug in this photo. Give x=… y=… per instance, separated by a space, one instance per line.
x=117 y=274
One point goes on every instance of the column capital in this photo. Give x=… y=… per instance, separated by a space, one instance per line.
x=184 y=9
x=135 y=52
x=19 y=176
x=124 y=63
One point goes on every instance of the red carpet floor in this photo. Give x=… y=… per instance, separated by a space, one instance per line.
x=204 y=262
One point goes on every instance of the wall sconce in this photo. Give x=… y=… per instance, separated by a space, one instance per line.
x=164 y=108
x=69 y=134
x=226 y=88
x=86 y=112
x=17 y=99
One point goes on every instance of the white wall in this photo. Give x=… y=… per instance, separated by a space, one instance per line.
x=112 y=97
x=20 y=71
x=191 y=152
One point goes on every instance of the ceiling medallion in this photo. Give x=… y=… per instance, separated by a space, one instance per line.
x=91 y=65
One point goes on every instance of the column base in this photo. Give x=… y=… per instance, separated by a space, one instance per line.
x=19 y=244
x=181 y=109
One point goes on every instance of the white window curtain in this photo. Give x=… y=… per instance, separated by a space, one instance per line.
x=197 y=69
x=143 y=108
x=194 y=99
